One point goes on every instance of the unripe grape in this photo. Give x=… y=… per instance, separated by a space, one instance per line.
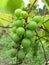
x=13 y=52
x=20 y=23
x=15 y=37
x=24 y=14
x=20 y=31
x=18 y=12
x=21 y=55
x=14 y=29
x=26 y=43
x=28 y=34
x=32 y=25
x=29 y=55
x=37 y=19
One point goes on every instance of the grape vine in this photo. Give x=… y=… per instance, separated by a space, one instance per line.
x=25 y=35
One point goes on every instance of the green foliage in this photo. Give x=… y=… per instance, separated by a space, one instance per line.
x=14 y=4
x=47 y=25
x=3 y=6
x=46 y=2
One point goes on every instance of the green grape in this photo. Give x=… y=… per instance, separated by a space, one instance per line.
x=32 y=25
x=21 y=54
x=29 y=34
x=14 y=29
x=24 y=14
x=26 y=43
x=37 y=19
x=32 y=41
x=20 y=23
x=13 y=52
x=15 y=37
x=20 y=31
x=18 y=12
x=35 y=48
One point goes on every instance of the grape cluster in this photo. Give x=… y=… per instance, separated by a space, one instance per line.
x=23 y=35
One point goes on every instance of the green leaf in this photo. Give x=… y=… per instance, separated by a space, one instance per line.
x=3 y=5
x=9 y=6
x=5 y=19
x=14 y=4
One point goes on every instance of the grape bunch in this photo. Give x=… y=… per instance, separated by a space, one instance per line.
x=23 y=34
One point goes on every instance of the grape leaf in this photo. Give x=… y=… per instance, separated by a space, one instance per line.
x=3 y=5
x=9 y=6
x=14 y=4
x=47 y=22
x=5 y=19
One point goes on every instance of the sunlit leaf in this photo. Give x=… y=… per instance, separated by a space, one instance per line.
x=5 y=19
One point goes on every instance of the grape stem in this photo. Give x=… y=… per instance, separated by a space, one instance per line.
x=31 y=6
x=5 y=27
x=42 y=47
x=29 y=10
x=45 y=29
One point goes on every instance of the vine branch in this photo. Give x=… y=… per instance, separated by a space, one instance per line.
x=45 y=29
x=31 y=6
x=43 y=48
x=5 y=27
x=29 y=10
